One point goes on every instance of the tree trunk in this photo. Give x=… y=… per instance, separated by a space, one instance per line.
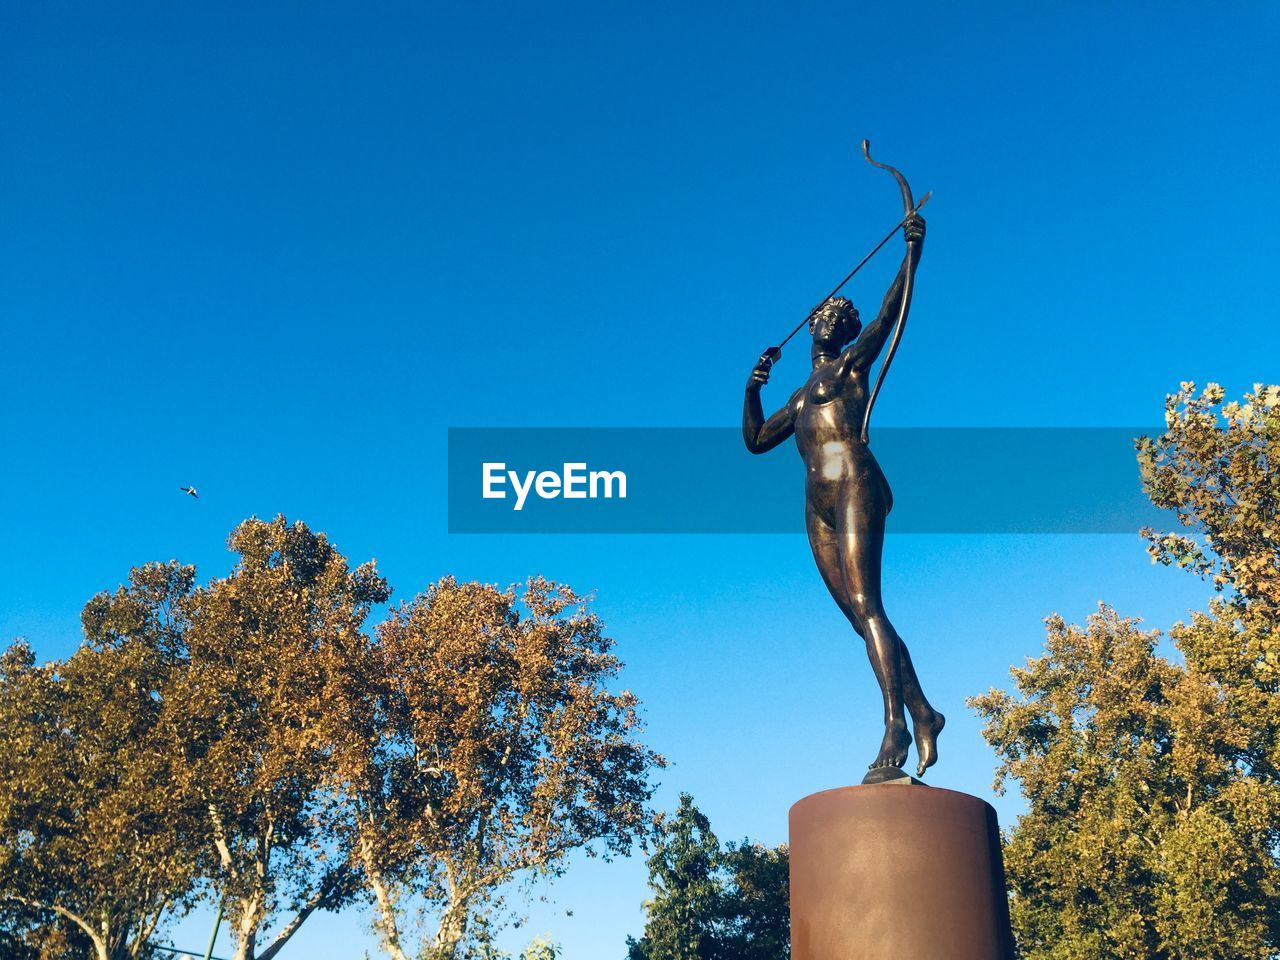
x=245 y=944
x=118 y=946
x=385 y=924
x=246 y=930
x=452 y=929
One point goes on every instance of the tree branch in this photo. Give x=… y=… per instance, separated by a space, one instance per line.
x=63 y=911
x=146 y=927
x=317 y=900
x=220 y=841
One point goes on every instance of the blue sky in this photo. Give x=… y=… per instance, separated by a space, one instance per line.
x=277 y=251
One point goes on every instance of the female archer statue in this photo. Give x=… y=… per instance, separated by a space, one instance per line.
x=846 y=495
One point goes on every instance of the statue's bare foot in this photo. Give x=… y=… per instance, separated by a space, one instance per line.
x=927 y=730
x=893 y=749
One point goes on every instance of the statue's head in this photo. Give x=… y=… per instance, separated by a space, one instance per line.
x=834 y=324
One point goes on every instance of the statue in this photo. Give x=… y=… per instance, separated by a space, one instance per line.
x=847 y=497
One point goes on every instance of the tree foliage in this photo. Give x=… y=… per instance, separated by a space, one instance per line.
x=713 y=902
x=91 y=842
x=268 y=646
x=756 y=917
x=682 y=918
x=1218 y=466
x=246 y=740
x=1153 y=827
x=495 y=747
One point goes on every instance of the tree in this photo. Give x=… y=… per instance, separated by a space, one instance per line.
x=92 y=843
x=246 y=740
x=712 y=903
x=756 y=908
x=492 y=748
x=1153 y=825
x=268 y=655
x=683 y=918
x=1218 y=467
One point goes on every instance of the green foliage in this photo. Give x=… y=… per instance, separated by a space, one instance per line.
x=1152 y=785
x=1218 y=466
x=540 y=948
x=712 y=902
x=482 y=948
x=756 y=921
x=684 y=914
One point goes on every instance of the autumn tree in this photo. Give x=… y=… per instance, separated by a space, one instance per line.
x=712 y=902
x=93 y=846
x=268 y=649
x=493 y=749
x=1153 y=823
x=245 y=740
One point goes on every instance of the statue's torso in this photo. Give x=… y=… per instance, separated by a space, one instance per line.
x=828 y=426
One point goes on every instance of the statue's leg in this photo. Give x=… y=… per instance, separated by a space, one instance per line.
x=824 y=543
x=926 y=722
x=826 y=554
x=860 y=515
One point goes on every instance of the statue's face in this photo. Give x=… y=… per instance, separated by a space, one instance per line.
x=833 y=328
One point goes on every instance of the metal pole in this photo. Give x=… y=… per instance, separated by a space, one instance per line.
x=217 y=922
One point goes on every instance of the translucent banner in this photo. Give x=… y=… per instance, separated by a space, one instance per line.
x=703 y=480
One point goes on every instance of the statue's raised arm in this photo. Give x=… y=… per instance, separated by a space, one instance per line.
x=863 y=351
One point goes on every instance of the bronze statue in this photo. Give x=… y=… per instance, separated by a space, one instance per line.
x=847 y=497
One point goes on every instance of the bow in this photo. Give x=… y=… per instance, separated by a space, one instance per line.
x=773 y=354
x=908 y=208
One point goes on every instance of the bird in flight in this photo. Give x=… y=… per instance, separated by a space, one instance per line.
x=190 y=490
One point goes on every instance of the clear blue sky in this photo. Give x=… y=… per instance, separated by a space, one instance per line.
x=275 y=250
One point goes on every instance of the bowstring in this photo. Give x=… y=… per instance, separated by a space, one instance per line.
x=861 y=263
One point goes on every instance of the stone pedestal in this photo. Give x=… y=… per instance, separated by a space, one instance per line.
x=897 y=871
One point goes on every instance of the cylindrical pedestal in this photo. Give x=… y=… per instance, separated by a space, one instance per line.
x=897 y=871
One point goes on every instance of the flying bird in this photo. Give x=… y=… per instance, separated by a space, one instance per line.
x=190 y=490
